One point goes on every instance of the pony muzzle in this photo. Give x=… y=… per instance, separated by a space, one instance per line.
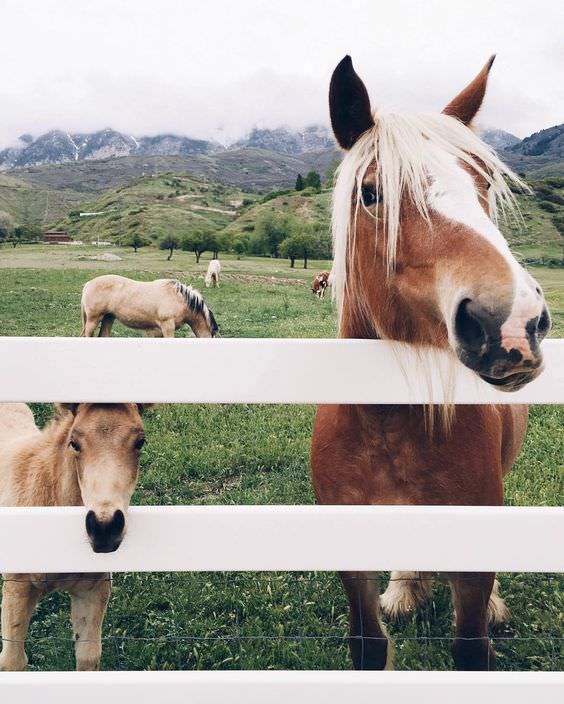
x=105 y=534
x=507 y=363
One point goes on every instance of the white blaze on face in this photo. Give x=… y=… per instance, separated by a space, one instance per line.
x=452 y=193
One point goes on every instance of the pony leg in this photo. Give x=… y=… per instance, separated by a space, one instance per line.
x=19 y=599
x=497 y=609
x=369 y=645
x=406 y=592
x=89 y=601
x=106 y=327
x=471 y=648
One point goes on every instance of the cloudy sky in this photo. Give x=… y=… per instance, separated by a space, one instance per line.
x=215 y=69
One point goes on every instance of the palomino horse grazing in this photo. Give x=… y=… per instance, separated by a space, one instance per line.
x=88 y=456
x=321 y=283
x=212 y=274
x=158 y=307
x=419 y=259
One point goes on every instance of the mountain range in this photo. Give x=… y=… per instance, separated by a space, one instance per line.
x=58 y=147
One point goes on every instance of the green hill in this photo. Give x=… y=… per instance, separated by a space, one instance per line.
x=30 y=205
x=535 y=239
x=153 y=206
x=306 y=206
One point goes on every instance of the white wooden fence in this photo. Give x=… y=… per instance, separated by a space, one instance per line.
x=273 y=537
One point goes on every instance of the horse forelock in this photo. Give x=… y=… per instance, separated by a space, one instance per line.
x=403 y=149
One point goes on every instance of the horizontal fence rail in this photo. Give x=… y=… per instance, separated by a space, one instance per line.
x=295 y=538
x=282 y=687
x=116 y=370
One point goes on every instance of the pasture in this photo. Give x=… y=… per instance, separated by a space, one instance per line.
x=259 y=455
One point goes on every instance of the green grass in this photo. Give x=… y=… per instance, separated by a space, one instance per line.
x=245 y=454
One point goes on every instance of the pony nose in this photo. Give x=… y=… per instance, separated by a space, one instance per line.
x=105 y=536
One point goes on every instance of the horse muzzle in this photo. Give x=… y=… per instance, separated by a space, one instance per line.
x=105 y=535
x=505 y=361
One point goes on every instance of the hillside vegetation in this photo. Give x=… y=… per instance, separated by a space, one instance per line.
x=157 y=206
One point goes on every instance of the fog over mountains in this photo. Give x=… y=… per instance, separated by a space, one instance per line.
x=542 y=149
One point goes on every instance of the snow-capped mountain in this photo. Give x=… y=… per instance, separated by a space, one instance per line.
x=499 y=139
x=285 y=141
x=57 y=147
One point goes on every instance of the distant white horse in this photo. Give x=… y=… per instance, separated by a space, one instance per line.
x=158 y=307
x=212 y=274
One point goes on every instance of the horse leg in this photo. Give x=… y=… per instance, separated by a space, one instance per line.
x=106 y=327
x=369 y=645
x=89 y=327
x=406 y=592
x=19 y=599
x=89 y=601
x=167 y=327
x=471 y=648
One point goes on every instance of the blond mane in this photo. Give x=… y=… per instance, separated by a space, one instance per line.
x=403 y=149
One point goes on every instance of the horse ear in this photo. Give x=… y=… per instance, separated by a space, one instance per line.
x=142 y=407
x=467 y=103
x=71 y=407
x=349 y=104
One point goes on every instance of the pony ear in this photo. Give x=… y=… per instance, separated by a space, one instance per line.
x=467 y=103
x=349 y=104
x=71 y=407
x=142 y=407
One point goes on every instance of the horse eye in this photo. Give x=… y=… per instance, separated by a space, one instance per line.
x=369 y=196
x=75 y=446
x=139 y=443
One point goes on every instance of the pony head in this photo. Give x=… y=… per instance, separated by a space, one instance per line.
x=104 y=443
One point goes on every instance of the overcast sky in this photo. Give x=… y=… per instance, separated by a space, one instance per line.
x=215 y=69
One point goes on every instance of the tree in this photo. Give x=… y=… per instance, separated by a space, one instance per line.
x=170 y=243
x=270 y=229
x=299 y=183
x=197 y=242
x=136 y=241
x=313 y=180
x=241 y=246
x=6 y=224
x=302 y=245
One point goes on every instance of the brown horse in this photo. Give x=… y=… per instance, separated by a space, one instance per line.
x=321 y=283
x=419 y=259
x=87 y=456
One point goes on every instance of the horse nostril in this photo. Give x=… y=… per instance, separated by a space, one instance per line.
x=105 y=535
x=468 y=326
x=117 y=524
x=543 y=325
x=91 y=523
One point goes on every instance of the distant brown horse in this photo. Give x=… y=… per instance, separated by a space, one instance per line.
x=87 y=456
x=159 y=308
x=419 y=259
x=321 y=283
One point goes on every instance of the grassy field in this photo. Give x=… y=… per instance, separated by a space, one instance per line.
x=237 y=454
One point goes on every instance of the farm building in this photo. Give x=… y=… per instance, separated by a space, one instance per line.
x=54 y=237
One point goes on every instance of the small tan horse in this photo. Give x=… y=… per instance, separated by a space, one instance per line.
x=419 y=259
x=158 y=307
x=212 y=274
x=87 y=456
